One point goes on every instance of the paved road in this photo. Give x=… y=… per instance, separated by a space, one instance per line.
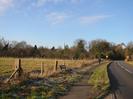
x=121 y=79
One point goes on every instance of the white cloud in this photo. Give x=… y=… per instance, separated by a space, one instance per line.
x=55 y=18
x=5 y=5
x=93 y=19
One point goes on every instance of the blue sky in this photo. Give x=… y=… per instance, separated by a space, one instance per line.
x=55 y=22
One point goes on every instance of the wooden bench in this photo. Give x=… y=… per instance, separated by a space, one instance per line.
x=65 y=69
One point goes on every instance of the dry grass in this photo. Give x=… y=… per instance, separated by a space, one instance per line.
x=130 y=62
x=7 y=65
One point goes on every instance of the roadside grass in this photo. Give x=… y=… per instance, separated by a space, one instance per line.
x=100 y=81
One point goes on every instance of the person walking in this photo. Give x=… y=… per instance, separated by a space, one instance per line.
x=99 y=60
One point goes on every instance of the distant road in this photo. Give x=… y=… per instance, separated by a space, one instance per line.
x=121 y=79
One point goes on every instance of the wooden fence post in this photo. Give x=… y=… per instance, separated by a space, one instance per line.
x=56 y=66
x=18 y=68
x=19 y=63
x=42 y=68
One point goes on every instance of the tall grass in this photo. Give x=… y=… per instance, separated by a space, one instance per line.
x=100 y=80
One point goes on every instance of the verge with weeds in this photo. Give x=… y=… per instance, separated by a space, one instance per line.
x=41 y=88
x=100 y=81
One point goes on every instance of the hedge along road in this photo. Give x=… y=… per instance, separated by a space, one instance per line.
x=121 y=80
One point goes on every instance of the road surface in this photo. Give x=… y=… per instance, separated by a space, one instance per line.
x=121 y=79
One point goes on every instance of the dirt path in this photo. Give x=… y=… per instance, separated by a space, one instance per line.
x=81 y=90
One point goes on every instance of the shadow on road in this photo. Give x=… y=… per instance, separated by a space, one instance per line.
x=114 y=84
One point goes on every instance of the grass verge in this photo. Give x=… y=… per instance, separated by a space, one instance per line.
x=100 y=81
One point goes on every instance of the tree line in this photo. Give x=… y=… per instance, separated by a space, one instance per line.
x=81 y=49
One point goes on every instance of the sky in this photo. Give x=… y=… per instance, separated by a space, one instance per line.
x=58 y=22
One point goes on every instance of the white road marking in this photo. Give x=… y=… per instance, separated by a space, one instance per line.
x=124 y=68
